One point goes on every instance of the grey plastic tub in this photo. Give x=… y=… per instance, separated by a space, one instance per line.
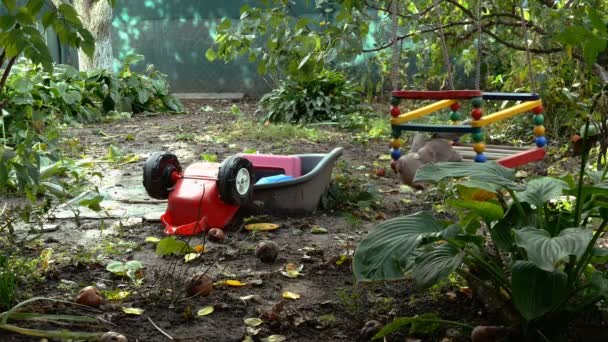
x=300 y=195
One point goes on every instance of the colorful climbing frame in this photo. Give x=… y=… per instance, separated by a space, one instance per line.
x=444 y=99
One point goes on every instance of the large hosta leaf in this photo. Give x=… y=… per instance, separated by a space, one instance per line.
x=386 y=252
x=502 y=231
x=541 y=190
x=436 y=264
x=535 y=291
x=488 y=176
x=545 y=251
x=488 y=211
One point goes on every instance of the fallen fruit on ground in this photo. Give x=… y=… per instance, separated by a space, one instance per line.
x=487 y=333
x=370 y=329
x=199 y=284
x=89 y=296
x=267 y=251
x=215 y=235
x=111 y=336
x=381 y=172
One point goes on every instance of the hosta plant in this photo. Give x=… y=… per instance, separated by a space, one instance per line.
x=324 y=97
x=532 y=246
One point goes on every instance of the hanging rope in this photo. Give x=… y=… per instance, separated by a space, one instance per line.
x=396 y=48
x=524 y=25
x=479 y=48
x=444 y=46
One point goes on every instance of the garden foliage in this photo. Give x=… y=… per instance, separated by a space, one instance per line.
x=38 y=102
x=542 y=247
x=326 y=97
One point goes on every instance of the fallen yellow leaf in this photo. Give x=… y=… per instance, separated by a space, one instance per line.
x=152 y=239
x=132 y=311
x=342 y=259
x=253 y=322
x=200 y=249
x=190 y=257
x=207 y=310
x=292 y=270
x=263 y=227
x=230 y=282
x=290 y=295
x=275 y=338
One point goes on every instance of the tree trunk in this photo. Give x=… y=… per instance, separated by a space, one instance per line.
x=96 y=16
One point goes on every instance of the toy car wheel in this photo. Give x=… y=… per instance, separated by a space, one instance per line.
x=235 y=181
x=157 y=174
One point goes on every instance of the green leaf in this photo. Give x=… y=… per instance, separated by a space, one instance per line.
x=134 y=265
x=545 y=251
x=68 y=13
x=599 y=284
x=489 y=211
x=502 y=231
x=210 y=55
x=304 y=60
x=487 y=176
x=117 y=267
x=423 y=324
x=92 y=203
x=133 y=58
x=7 y=22
x=24 y=17
x=386 y=252
x=224 y=25
x=536 y=292
x=10 y=4
x=436 y=264
x=171 y=246
x=541 y=190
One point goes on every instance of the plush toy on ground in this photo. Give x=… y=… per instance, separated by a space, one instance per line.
x=422 y=152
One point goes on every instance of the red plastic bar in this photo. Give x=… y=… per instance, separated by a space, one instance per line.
x=436 y=94
x=523 y=158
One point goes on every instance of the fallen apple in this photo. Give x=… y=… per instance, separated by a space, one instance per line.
x=89 y=296
x=111 y=336
x=267 y=251
x=215 y=235
x=199 y=284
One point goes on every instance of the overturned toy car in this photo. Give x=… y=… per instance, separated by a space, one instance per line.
x=207 y=195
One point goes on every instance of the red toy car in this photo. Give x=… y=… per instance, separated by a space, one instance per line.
x=218 y=188
x=208 y=195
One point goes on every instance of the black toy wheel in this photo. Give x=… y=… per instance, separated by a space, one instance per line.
x=235 y=181
x=157 y=174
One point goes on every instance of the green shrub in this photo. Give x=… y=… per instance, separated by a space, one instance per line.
x=37 y=102
x=325 y=97
x=538 y=261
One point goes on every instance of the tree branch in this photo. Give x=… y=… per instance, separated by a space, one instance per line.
x=433 y=29
x=7 y=71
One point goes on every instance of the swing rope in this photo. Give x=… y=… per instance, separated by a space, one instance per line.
x=524 y=25
x=396 y=51
x=479 y=48
x=444 y=47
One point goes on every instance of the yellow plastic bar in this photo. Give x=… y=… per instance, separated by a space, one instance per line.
x=420 y=112
x=506 y=113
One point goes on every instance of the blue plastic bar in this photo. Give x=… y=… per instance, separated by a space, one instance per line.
x=510 y=96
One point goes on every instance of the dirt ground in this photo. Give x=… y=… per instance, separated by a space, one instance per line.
x=331 y=307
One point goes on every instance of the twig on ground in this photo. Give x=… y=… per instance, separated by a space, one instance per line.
x=159 y=329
